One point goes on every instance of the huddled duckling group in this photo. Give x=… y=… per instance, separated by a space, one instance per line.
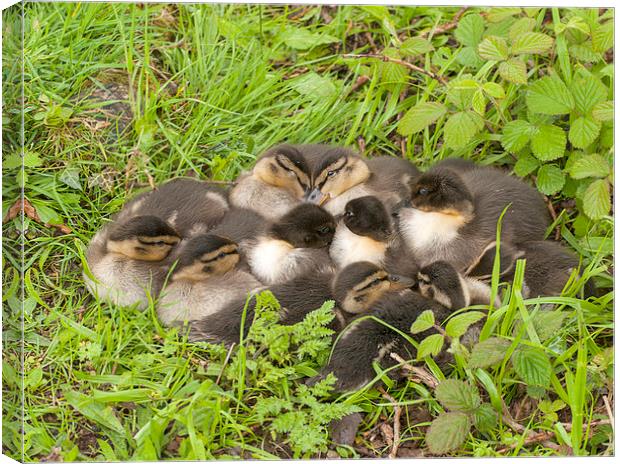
x=312 y=223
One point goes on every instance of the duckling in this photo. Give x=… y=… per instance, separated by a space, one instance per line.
x=452 y=217
x=548 y=267
x=439 y=281
x=342 y=175
x=278 y=182
x=204 y=280
x=294 y=245
x=129 y=260
x=367 y=340
x=363 y=233
x=190 y=206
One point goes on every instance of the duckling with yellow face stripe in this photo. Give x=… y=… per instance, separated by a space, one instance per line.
x=205 y=280
x=341 y=175
x=278 y=182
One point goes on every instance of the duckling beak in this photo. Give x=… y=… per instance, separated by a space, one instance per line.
x=317 y=197
x=399 y=282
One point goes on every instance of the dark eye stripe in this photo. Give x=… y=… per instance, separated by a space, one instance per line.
x=373 y=282
x=217 y=257
x=286 y=168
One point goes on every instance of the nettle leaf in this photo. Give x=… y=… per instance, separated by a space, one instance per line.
x=589 y=166
x=526 y=164
x=303 y=39
x=549 y=142
x=461 y=127
x=479 y=102
x=447 y=432
x=423 y=322
x=521 y=26
x=488 y=353
x=458 y=325
x=588 y=92
x=603 y=111
x=493 y=48
x=494 y=90
x=583 y=131
x=531 y=42
x=550 y=179
x=420 y=116
x=549 y=95
x=430 y=346
x=457 y=395
x=71 y=177
x=532 y=365
x=516 y=135
x=583 y=52
x=470 y=30
x=548 y=323
x=603 y=37
x=485 y=418
x=596 y=202
x=513 y=70
x=414 y=46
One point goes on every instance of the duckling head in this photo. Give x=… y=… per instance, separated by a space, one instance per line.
x=144 y=238
x=305 y=226
x=284 y=166
x=442 y=191
x=368 y=217
x=204 y=256
x=359 y=285
x=441 y=282
x=338 y=171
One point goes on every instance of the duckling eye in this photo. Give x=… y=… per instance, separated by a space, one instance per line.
x=349 y=214
x=324 y=230
x=221 y=255
x=423 y=191
x=394 y=278
x=331 y=173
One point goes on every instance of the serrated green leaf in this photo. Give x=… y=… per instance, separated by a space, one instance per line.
x=583 y=52
x=603 y=37
x=423 y=322
x=589 y=166
x=535 y=391
x=485 y=418
x=392 y=73
x=577 y=23
x=479 y=102
x=470 y=30
x=430 y=346
x=71 y=177
x=447 y=432
x=549 y=95
x=468 y=56
x=488 y=353
x=516 y=135
x=314 y=85
x=465 y=84
x=32 y=159
x=548 y=143
x=550 y=179
x=415 y=46
x=526 y=164
x=588 y=92
x=458 y=325
x=91 y=409
x=494 y=90
x=461 y=127
x=531 y=42
x=303 y=39
x=513 y=70
x=596 y=202
x=583 y=131
x=420 y=116
x=457 y=395
x=548 y=323
x=603 y=111
x=532 y=365
x=499 y=14
x=493 y=48
x=521 y=26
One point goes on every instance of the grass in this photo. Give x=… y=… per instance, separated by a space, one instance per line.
x=202 y=90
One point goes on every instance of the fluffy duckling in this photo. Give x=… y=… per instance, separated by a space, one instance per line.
x=441 y=282
x=452 y=217
x=204 y=280
x=278 y=182
x=548 y=267
x=363 y=233
x=294 y=245
x=342 y=175
x=129 y=260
